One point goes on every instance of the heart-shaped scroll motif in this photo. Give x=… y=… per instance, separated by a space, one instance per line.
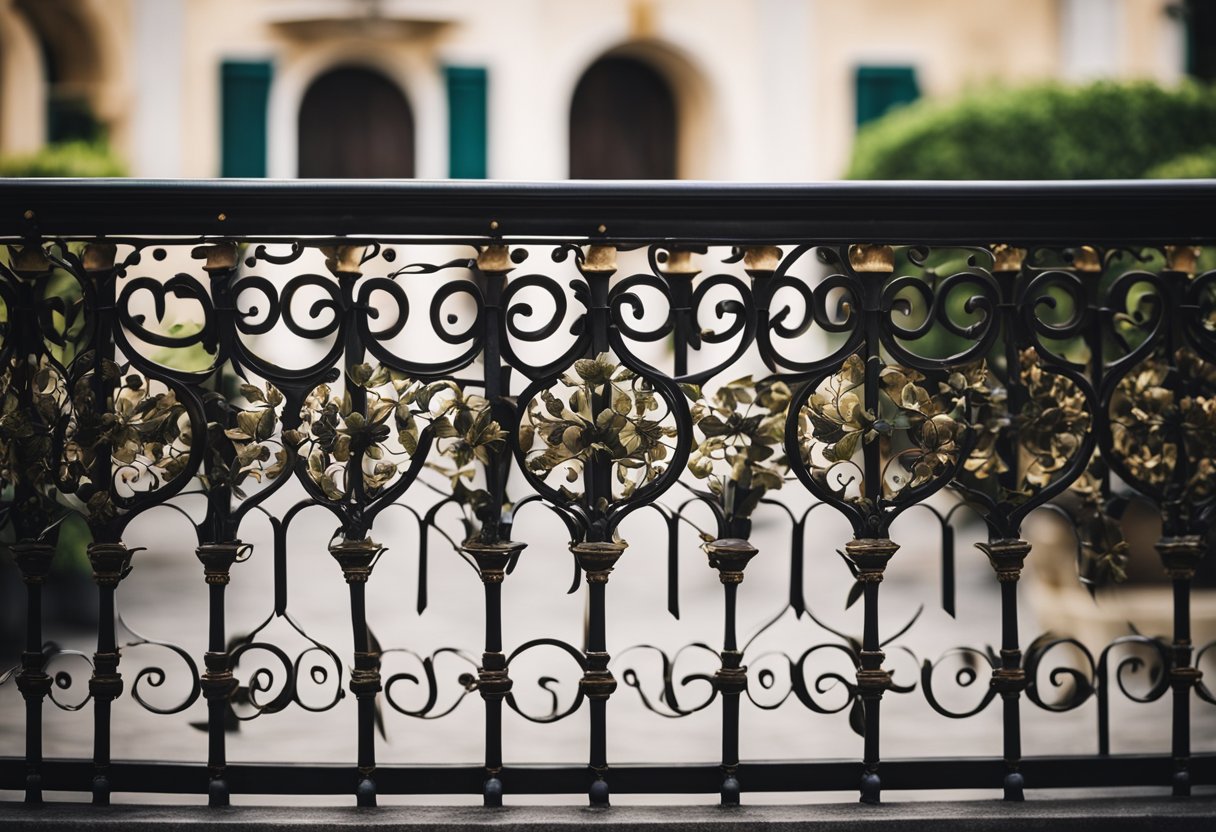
x=607 y=435
x=127 y=440
x=1163 y=429
x=873 y=440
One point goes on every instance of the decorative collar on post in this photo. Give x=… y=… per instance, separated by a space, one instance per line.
x=111 y=562
x=1007 y=557
x=868 y=258
x=492 y=559
x=34 y=559
x=597 y=558
x=730 y=557
x=870 y=555
x=217 y=257
x=217 y=559
x=1181 y=555
x=356 y=557
x=344 y=261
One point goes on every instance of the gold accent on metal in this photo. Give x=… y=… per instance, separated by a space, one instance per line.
x=111 y=562
x=730 y=557
x=1007 y=556
x=1007 y=258
x=29 y=261
x=344 y=261
x=679 y=262
x=870 y=556
x=222 y=217
x=758 y=260
x=598 y=681
x=1008 y=680
x=493 y=225
x=217 y=560
x=1181 y=555
x=356 y=557
x=599 y=259
x=597 y=558
x=99 y=257
x=29 y=214
x=492 y=558
x=34 y=560
x=601 y=229
x=217 y=257
x=872 y=258
x=1086 y=260
x=495 y=259
x=1182 y=259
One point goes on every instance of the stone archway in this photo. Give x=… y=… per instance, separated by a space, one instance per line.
x=355 y=123
x=624 y=122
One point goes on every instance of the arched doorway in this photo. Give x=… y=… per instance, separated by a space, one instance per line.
x=623 y=122
x=355 y=123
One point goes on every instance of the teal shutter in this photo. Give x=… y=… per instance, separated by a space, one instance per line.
x=244 y=90
x=879 y=88
x=466 y=122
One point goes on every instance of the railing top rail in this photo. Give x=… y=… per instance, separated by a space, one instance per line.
x=1105 y=212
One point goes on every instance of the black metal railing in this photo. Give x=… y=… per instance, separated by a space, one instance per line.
x=361 y=346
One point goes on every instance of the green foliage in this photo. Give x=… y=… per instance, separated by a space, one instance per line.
x=1199 y=164
x=78 y=158
x=1046 y=131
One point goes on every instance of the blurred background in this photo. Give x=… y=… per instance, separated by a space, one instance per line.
x=758 y=90
x=646 y=89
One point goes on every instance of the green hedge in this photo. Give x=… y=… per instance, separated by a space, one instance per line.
x=1047 y=131
x=1201 y=164
x=66 y=159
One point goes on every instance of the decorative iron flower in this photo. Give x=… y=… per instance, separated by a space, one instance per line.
x=338 y=437
x=918 y=432
x=606 y=417
x=1050 y=426
x=241 y=452
x=743 y=430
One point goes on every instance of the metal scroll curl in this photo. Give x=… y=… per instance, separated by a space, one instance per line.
x=833 y=305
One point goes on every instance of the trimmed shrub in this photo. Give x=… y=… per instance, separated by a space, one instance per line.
x=1046 y=131
x=85 y=159
x=1198 y=165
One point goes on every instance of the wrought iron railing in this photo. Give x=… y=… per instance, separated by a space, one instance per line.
x=1021 y=346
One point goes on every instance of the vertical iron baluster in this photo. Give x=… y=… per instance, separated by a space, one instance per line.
x=29 y=512
x=34 y=561
x=217 y=682
x=111 y=563
x=493 y=681
x=870 y=556
x=730 y=557
x=679 y=272
x=1181 y=548
x=1007 y=553
x=1181 y=556
x=357 y=557
x=1007 y=557
x=596 y=558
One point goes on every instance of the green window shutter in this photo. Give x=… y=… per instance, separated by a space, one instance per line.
x=244 y=90
x=466 y=122
x=879 y=88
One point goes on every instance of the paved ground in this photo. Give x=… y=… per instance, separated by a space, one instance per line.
x=1153 y=814
x=165 y=598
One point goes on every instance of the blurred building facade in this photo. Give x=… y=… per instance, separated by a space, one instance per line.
x=532 y=89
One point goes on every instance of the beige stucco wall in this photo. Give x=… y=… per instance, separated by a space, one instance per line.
x=766 y=87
